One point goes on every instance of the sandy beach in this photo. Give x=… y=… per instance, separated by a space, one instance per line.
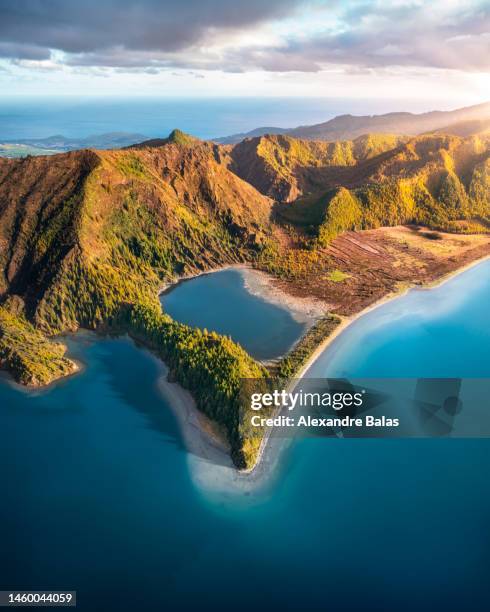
x=200 y=434
x=305 y=310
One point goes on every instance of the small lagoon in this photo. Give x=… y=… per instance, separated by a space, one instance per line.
x=221 y=302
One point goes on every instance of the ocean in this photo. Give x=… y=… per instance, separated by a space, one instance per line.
x=76 y=117
x=98 y=495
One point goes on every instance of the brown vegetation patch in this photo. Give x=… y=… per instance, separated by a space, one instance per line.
x=381 y=261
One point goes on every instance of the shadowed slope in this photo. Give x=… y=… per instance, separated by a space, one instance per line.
x=82 y=231
x=285 y=168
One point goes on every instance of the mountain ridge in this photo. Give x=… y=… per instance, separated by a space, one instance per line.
x=349 y=127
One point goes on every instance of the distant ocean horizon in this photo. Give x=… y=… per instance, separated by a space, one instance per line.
x=206 y=118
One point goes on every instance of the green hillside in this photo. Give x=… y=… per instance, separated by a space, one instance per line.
x=436 y=180
x=285 y=168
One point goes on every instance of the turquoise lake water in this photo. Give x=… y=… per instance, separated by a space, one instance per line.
x=97 y=496
x=220 y=302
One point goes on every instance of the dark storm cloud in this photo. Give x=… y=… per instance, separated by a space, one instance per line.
x=22 y=51
x=145 y=25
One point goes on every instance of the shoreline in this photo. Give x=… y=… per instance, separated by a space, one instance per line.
x=170 y=286
x=8 y=377
x=306 y=310
x=346 y=323
x=200 y=435
x=260 y=284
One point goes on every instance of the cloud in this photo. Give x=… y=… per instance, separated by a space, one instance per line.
x=23 y=51
x=436 y=35
x=135 y=25
x=149 y=36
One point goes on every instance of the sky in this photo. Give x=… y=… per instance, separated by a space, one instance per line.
x=398 y=49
